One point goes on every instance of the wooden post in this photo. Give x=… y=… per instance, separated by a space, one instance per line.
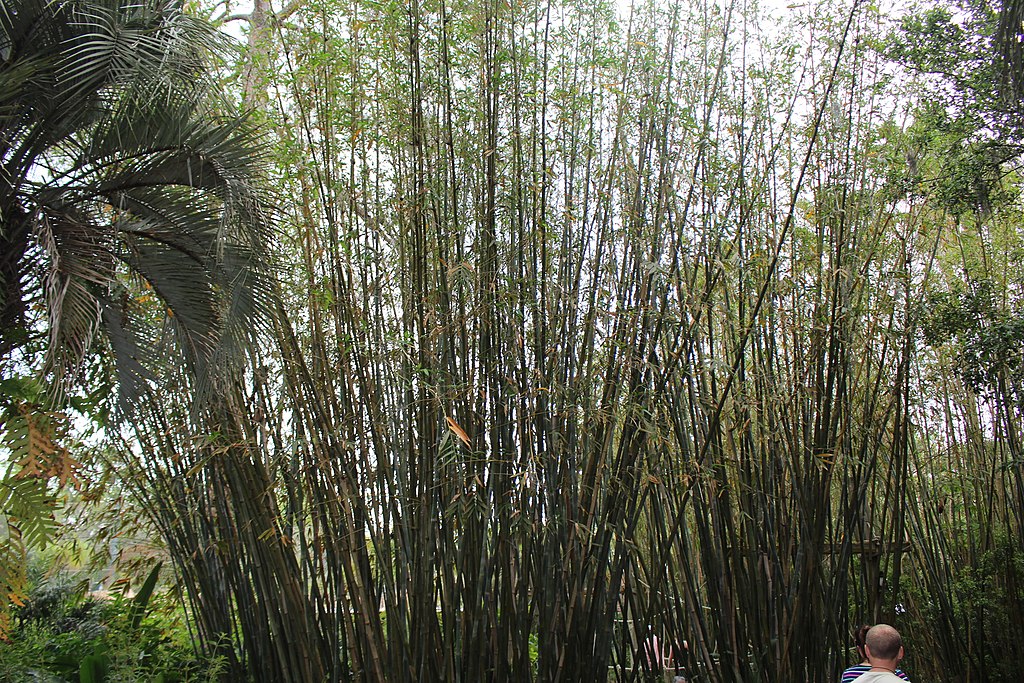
x=871 y=552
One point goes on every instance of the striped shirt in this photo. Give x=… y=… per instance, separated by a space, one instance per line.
x=855 y=672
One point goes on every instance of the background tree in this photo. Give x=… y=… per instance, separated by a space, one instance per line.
x=128 y=214
x=963 y=153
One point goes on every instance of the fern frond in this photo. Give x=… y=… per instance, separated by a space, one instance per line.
x=26 y=522
x=33 y=438
x=27 y=512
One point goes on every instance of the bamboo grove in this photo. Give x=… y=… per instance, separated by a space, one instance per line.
x=593 y=322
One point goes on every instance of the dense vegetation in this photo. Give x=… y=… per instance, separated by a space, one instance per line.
x=577 y=323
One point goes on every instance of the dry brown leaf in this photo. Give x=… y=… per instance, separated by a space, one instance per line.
x=459 y=431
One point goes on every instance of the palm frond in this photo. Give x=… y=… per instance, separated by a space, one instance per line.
x=115 y=156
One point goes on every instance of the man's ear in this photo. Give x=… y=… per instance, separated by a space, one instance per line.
x=901 y=655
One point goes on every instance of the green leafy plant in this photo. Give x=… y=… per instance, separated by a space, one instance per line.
x=63 y=632
x=39 y=465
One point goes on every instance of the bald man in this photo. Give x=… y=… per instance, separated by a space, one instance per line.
x=884 y=649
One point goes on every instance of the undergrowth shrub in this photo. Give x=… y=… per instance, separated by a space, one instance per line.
x=63 y=634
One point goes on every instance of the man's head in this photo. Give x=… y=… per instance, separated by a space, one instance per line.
x=883 y=644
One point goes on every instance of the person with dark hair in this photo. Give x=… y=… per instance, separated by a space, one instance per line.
x=856 y=671
x=884 y=649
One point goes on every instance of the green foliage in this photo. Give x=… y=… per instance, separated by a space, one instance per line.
x=39 y=465
x=966 y=128
x=952 y=43
x=986 y=336
x=984 y=611
x=94 y=668
x=27 y=506
x=141 y=600
x=26 y=510
x=64 y=633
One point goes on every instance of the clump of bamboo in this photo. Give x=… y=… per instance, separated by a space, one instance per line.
x=593 y=329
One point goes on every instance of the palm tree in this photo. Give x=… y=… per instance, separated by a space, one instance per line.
x=128 y=212
x=127 y=201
